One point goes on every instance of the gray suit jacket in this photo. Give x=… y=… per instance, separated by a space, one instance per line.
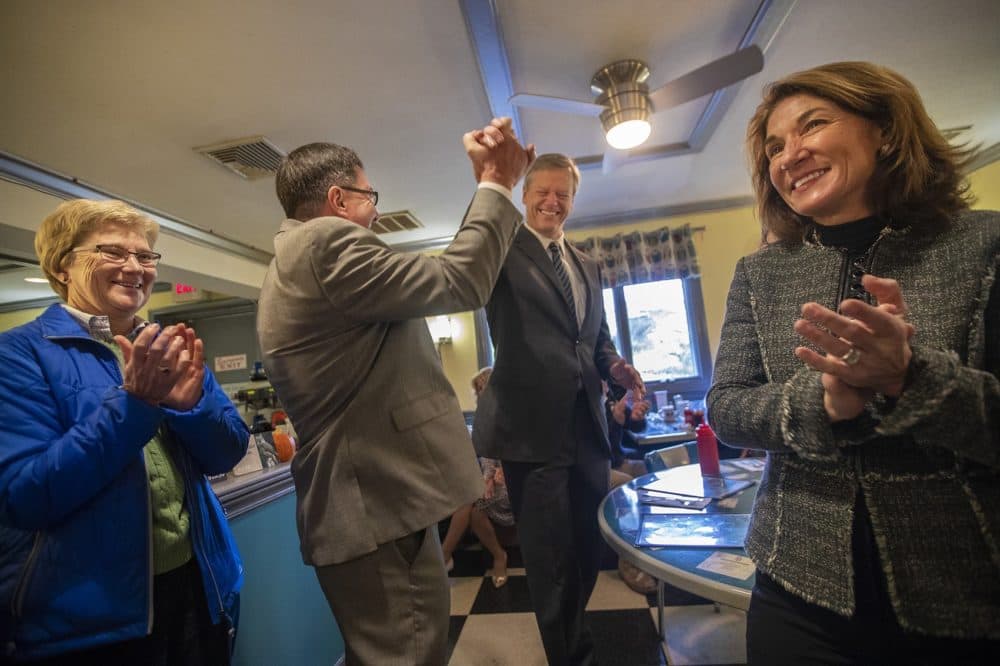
x=384 y=447
x=543 y=357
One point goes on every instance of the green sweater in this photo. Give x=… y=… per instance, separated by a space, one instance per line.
x=171 y=531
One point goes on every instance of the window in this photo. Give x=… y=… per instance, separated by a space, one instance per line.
x=659 y=327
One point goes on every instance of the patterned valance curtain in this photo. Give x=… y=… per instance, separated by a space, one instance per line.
x=643 y=256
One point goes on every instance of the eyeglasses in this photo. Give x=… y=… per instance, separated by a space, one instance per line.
x=119 y=255
x=371 y=194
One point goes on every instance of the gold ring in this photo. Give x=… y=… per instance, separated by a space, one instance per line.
x=852 y=356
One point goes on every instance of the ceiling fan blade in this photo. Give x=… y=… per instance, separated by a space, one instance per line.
x=709 y=78
x=613 y=158
x=559 y=104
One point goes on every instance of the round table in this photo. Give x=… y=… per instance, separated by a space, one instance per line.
x=619 y=517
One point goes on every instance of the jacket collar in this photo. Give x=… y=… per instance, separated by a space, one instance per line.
x=528 y=243
x=57 y=323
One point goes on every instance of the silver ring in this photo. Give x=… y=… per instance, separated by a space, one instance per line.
x=164 y=368
x=852 y=356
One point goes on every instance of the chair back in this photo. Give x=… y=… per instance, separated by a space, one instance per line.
x=671 y=456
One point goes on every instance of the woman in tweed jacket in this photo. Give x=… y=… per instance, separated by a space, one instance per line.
x=862 y=352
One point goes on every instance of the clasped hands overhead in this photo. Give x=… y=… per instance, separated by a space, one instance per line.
x=496 y=154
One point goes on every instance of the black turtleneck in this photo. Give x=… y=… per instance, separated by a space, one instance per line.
x=855 y=237
x=870 y=589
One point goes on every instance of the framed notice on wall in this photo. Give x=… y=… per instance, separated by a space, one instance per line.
x=228 y=329
x=231 y=362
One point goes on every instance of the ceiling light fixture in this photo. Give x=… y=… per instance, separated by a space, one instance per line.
x=36 y=280
x=625 y=104
x=621 y=88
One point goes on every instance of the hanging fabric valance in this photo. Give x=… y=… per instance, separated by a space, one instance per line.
x=643 y=256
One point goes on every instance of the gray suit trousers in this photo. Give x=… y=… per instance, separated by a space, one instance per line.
x=392 y=605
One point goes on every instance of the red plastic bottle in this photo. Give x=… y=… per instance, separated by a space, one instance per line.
x=708 y=450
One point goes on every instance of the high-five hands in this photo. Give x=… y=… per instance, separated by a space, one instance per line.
x=866 y=348
x=496 y=154
x=164 y=367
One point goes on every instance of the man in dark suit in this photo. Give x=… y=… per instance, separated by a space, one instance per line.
x=342 y=333
x=541 y=413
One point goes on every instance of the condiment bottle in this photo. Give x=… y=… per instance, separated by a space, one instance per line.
x=708 y=450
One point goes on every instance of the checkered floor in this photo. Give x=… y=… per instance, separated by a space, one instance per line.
x=496 y=626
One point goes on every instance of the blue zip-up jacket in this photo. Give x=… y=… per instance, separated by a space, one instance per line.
x=75 y=519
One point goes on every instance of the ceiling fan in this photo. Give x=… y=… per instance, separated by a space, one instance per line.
x=624 y=102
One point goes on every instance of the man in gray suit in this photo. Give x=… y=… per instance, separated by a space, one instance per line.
x=385 y=453
x=546 y=318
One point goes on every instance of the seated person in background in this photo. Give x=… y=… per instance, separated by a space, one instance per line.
x=625 y=415
x=492 y=507
x=113 y=547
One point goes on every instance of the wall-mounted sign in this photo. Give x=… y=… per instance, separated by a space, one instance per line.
x=233 y=362
x=185 y=293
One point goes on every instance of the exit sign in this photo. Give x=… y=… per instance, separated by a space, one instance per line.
x=184 y=293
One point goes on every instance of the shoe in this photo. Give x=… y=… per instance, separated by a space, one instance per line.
x=449 y=565
x=499 y=580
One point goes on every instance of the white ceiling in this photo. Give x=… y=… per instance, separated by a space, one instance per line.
x=116 y=93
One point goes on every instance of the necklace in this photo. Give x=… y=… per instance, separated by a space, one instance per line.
x=857 y=253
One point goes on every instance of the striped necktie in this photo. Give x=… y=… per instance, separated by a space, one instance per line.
x=557 y=264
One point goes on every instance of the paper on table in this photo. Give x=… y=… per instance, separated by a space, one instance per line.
x=715 y=487
x=717 y=530
x=666 y=499
x=748 y=464
x=728 y=564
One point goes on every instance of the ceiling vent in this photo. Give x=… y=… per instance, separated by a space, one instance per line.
x=251 y=158
x=401 y=220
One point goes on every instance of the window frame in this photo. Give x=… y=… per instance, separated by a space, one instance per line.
x=689 y=387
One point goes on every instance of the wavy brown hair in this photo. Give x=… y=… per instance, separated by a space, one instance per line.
x=918 y=180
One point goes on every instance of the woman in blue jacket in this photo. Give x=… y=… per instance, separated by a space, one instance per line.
x=113 y=548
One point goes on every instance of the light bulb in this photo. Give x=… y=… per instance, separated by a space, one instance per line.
x=628 y=134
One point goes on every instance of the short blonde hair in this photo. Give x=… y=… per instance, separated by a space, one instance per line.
x=74 y=220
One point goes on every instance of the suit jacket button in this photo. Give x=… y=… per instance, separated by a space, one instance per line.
x=577 y=341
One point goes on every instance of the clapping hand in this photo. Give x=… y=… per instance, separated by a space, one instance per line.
x=162 y=367
x=187 y=390
x=639 y=409
x=866 y=348
x=628 y=377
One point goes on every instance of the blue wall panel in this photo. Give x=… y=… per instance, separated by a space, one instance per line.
x=284 y=618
